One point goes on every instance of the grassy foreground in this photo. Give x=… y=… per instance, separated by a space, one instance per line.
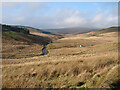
x=95 y=65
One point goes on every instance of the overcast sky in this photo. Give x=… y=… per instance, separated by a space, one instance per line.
x=61 y=14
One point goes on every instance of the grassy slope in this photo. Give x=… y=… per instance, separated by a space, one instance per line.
x=68 y=65
x=28 y=38
x=40 y=31
x=111 y=29
x=19 y=43
x=106 y=30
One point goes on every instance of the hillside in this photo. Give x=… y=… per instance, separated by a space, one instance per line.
x=106 y=30
x=31 y=29
x=67 y=65
x=19 y=42
x=23 y=34
x=39 y=32
x=8 y=28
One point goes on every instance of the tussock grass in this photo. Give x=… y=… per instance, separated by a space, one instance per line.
x=92 y=66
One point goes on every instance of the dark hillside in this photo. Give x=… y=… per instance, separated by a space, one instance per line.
x=20 y=43
x=23 y=34
x=15 y=29
x=31 y=29
x=28 y=38
x=106 y=30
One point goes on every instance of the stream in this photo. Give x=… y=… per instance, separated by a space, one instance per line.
x=44 y=51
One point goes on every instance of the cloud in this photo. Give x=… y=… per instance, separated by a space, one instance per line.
x=40 y=15
x=105 y=19
x=67 y=18
x=19 y=19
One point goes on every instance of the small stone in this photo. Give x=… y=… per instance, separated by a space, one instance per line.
x=80 y=83
x=34 y=74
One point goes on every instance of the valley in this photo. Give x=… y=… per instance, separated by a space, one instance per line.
x=88 y=60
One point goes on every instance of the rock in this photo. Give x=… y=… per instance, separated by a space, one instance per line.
x=34 y=74
x=80 y=83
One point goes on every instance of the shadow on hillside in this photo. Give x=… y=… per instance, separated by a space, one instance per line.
x=39 y=39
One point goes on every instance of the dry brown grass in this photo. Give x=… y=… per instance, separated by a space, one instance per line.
x=67 y=64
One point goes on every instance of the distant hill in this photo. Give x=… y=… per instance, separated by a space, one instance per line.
x=103 y=31
x=16 y=33
x=73 y=30
x=106 y=30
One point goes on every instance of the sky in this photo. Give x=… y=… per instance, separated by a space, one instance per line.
x=50 y=15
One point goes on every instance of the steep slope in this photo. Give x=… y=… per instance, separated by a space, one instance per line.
x=19 y=42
